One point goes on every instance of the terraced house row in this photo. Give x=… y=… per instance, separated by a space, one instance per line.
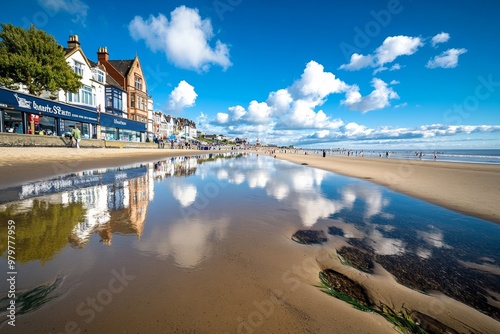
x=112 y=103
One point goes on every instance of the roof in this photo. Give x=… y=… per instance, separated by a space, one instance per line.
x=70 y=51
x=122 y=66
x=112 y=82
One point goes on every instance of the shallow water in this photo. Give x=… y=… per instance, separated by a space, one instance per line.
x=196 y=243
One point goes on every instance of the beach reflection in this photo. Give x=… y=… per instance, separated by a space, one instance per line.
x=178 y=211
x=411 y=239
x=188 y=242
x=116 y=201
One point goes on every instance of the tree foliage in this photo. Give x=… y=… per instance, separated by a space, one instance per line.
x=33 y=58
x=42 y=231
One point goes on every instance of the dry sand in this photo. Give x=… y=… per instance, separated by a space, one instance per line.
x=258 y=272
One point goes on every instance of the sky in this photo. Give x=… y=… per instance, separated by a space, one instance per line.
x=389 y=74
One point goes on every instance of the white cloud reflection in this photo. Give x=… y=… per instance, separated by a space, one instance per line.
x=383 y=245
x=301 y=188
x=185 y=193
x=434 y=238
x=189 y=242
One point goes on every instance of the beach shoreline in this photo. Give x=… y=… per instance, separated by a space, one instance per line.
x=468 y=188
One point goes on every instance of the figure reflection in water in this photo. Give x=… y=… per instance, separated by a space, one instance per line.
x=106 y=236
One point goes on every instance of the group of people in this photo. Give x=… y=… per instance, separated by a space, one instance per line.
x=161 y=140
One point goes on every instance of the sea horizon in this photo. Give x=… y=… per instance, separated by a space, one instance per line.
x=482 y=156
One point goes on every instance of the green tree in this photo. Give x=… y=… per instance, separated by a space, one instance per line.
x=35 y=59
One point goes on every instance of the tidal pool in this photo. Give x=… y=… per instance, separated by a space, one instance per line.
x=203 y=244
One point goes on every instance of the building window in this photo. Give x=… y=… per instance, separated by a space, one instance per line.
x=141 y=102
x=98 y=75
x=114 y=103
x=138 y=83
x=87 y=95
x=117 y=100
x=132 y=100
x=74 y=97
x=84 y=95
x=78 y=67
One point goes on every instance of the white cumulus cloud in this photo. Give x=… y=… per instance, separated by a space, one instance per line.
x=293 y=114
x=440 y=38
x=377 y=99
x=182 y=96
x=357 y=62
x=280 y=100
x=222 y=118
x=395 y=46
x=184 y=39
x=258 y=113
x=447 y=59
x=391 y=48
x=316 y=84
x=303 y=116
x=237 y=112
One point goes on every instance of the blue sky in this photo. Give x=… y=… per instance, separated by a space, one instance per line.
x=401 y=74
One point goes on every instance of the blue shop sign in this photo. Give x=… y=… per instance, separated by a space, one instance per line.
x=121 y=123
x=36 y=105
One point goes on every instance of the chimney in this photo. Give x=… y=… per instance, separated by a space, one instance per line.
x=102 y=55
x=73 y=42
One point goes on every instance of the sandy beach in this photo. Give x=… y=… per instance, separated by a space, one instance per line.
x=472 y=189
x=23 y=164
x=253 y=281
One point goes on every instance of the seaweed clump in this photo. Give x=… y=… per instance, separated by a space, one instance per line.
x=308 y=237
x=344 y=288
x=405 y=321
x=356 y=258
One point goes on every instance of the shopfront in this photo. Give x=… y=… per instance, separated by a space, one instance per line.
x=27 y=114
x=13 y=121
x=119 y=128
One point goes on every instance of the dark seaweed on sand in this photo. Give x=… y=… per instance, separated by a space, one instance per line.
x=30 y=300
x=345 y=289
x=308 y=237
x=355 y=258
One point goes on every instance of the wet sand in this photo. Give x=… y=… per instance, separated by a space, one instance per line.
x=22 y=164
x=471 y=189
x=261 y=284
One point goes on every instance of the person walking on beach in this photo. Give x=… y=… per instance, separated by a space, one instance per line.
x=324 y=153
x=76 y=134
